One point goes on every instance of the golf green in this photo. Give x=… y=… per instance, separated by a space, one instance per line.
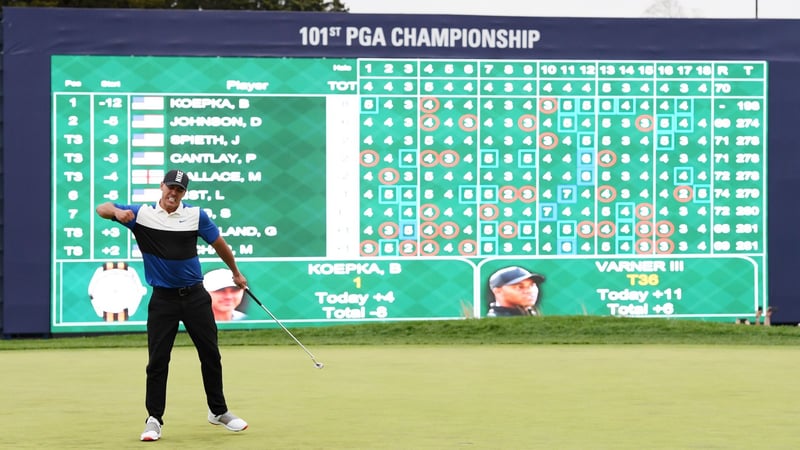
x=415 y=397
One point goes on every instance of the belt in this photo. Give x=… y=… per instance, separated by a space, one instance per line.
x=181 y=291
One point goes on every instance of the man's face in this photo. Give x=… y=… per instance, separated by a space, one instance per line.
x=522 y=294
x=171 y=197
x=226 y=299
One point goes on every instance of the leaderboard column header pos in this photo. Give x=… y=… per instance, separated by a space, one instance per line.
x=634 y=182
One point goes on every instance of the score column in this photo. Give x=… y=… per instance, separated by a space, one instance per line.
x=448 y=138
x=389 y=157
x=508 y=161
x=739 y=157
x=567 y=148
x=110 y=156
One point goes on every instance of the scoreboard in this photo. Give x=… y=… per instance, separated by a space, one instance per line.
x=359 y=189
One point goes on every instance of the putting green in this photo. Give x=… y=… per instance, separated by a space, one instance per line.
x=415 y=397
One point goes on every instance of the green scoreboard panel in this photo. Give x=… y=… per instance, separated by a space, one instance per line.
x=391 y=189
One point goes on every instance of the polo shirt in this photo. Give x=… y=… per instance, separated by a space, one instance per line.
x=168 y=242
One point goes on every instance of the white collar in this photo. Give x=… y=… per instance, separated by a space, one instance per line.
x=177 y=211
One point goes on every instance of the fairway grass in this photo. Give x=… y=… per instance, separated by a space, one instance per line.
x=415 y=397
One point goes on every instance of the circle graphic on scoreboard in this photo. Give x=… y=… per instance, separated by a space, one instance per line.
x=683 y=194
x=508 y=230
x=368 y=248
x=468 y=122
x=429 y=105
x=388 y=230
x=644 y=246
x=665 y=246
x=115 y=291
x=449 y=230
x=449 y=158
x=526 y=194
x=548 y=105
x=644 y=211
x=369 y=158
x=606 y=193
x=389 y=175
x=429 y=158
x=548 y=140
x=585 y=229
x=508 y=194
x=527 y=122
x=468 y=247
x=430 y=211
x=645 y=123
x=606 y=158
x=489 y=212
x=644 y=229
x=429 y=229
x=428 y=122
x=664 y=228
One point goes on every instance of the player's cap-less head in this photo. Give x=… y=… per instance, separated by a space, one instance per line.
x=177 y=178
x=512 y=275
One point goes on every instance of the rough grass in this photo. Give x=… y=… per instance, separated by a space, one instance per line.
x=521 y=330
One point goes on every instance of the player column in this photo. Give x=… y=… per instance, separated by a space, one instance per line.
x=625 y=159
x=567 y=147
x=448 y=142
x=683 y=117
x=389 y=158
x=508 y=157
x=72 y=145
x=739 y=93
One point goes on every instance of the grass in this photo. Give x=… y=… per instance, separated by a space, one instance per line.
x=520 y=330
x=512 y=383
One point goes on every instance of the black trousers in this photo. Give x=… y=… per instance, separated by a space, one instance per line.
x=192 y=306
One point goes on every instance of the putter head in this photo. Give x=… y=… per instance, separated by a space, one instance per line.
x=318 y=365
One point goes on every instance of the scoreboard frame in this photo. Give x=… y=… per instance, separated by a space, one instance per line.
x=32 y=36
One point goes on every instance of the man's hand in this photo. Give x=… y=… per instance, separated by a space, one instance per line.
x=124 y=215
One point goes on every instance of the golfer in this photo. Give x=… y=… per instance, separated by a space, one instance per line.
x=515 y=291
x=167 y=234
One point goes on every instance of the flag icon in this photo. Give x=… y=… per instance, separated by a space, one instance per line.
x=147 y=103
x=148 y=140
x=146 y=195
x=148 y=158
x=148 y=121
x=147 y=176
x=135 y=251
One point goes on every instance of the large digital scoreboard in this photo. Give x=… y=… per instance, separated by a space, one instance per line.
x=380 y=168
x=358 y=189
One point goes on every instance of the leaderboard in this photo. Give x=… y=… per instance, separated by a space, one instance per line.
x=391 y=189
x=485 y=158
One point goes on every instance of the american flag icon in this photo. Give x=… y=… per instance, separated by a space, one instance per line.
x=148 y=140
x=148 y=158
x=146 y=195
x=147 y=121
x=147 y=103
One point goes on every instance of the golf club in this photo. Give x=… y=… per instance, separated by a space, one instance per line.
x=317 y=364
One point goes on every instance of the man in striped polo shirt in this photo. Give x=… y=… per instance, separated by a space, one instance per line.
x=167 y=233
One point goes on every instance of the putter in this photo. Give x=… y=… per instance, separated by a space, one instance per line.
x=317 y=364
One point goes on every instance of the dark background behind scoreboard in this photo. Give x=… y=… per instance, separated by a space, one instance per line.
x=31 y=36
